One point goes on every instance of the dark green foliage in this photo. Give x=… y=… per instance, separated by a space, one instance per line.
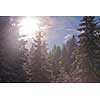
x=87 y=52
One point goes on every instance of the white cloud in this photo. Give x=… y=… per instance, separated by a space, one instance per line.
x=67 y=37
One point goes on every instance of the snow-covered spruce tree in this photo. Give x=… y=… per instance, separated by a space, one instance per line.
x=87 y=53
x=55 y=61
x=24 y=58
x=64 y=57
x=39 y=59
x=10 y=64
x=68 y=53
x=68 y=56
x=17 y=53
x=97 y=52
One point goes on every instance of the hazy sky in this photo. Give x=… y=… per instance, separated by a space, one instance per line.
x=62 y=29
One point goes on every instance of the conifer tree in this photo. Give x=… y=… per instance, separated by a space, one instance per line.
x=87 y=52
x=10 y=65
x=68 y=56
x=55 y=61
x=39 y=59
x=68 y=51
x=16 y=51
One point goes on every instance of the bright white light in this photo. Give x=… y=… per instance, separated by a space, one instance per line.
x=29 y=26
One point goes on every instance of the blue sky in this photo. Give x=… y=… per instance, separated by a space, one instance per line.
x=59 y=28
x=62 y=29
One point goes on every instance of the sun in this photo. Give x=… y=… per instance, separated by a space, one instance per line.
x=28 y=26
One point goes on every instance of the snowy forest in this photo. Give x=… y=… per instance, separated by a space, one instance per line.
x=25 y=60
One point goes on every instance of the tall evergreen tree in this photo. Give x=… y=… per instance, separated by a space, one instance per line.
x=39 y=60
x=16 y=51
x=68 y=56
x=64 y=57
x=68 y=53
x=55 y=60
x=11 y=69
x=87 y=53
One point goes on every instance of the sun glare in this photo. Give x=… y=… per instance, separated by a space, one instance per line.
x=29 y=26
